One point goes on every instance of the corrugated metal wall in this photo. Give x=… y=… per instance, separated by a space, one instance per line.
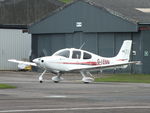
x=146 y=51
x=13 y=44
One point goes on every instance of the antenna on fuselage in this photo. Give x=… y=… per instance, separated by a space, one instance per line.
x=82 y=45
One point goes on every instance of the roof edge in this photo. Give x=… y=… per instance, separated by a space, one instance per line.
x=13 y=26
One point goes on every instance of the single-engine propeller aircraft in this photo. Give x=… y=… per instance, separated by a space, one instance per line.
x=71 y=59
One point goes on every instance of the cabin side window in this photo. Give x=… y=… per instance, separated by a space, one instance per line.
x=76 y=55
x=64 y=53
x=87 y=55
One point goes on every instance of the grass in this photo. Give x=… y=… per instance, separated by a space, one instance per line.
x=129 y=78
x=66 y=1
x=6 y=86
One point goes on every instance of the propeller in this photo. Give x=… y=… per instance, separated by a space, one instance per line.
x=45 y=52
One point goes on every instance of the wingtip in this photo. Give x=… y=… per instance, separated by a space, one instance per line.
x=10 y=60
x=138 y=63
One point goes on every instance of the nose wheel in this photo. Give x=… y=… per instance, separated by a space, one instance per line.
x=41 y=76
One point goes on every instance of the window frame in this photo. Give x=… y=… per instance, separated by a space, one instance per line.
x=86 y=54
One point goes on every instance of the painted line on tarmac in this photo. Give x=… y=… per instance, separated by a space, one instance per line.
x=56 y=96
x=19 y=82
x=76 y=109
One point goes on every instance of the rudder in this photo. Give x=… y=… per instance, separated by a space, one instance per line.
x=124 y=53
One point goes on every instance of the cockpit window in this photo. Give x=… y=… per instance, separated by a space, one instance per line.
x=64 y=53
x=87 y=55
x=76 y=55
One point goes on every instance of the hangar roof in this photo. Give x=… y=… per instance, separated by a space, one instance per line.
x=24 y=12
x=136 y=10
x=85 y=16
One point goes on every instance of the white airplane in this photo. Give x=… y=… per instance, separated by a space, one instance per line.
x=71 y=59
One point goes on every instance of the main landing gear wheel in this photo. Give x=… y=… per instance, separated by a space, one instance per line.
x=57 y=79
x=41 y=81
x=86 y=79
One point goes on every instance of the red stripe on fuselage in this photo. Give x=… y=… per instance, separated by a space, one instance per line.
x=122 y=59
x=81 y=63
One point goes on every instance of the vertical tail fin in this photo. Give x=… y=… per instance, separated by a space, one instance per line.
x=124 y=53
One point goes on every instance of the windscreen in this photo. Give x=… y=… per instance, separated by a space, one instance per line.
x=64 y=53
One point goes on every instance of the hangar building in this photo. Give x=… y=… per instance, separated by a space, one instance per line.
x=15 y=15
x=102 y=24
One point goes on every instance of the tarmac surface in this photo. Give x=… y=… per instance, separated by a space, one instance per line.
x=70 y=95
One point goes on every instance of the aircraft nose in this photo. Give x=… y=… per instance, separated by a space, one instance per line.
x=35 y=60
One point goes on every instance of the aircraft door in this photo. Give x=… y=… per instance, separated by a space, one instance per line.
x=76 y=54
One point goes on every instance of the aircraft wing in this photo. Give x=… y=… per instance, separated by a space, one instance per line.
x=22 y=62
x=101 y=67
